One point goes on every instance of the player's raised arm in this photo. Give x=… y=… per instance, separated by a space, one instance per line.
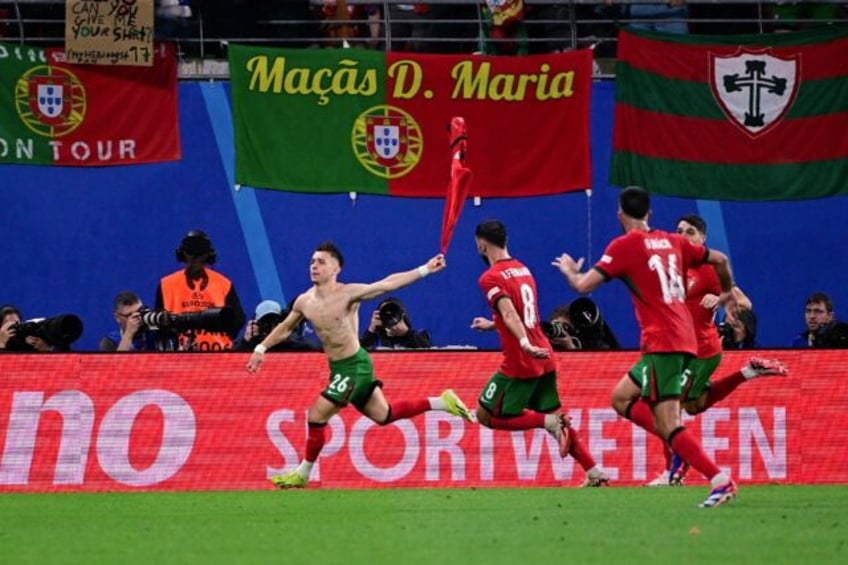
x=581 y=282
x=397 y=280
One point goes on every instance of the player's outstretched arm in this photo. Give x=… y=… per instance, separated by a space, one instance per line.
x=516 y=326
x=570 y=269
x=280 y=333
x=395 y=281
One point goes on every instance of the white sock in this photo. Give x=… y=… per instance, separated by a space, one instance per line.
x=305 y=468
x=748 y=372
x=719 y=479
x=437 y=403
x=594 y=472
x=552 y=422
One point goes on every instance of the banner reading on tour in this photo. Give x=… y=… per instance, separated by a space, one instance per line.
x=55 y=113
x=114 y=422
x=341 y=120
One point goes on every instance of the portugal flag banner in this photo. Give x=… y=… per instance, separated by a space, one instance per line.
x=351 y=120
x=54 y=113
x=755 y=117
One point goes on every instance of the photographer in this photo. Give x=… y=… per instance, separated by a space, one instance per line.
x=198 y=288
x=579 y=326
x=132 y=334
x=390 y=326
x=823 y=331
x=269 y=314
x=37 y=334
x=739 y=330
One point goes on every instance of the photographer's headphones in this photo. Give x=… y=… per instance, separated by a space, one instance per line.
x=195 y=244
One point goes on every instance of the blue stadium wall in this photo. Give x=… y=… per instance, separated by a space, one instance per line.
x=73 y=238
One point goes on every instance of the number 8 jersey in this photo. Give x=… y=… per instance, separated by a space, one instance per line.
x=652 y=265
x=509 y=278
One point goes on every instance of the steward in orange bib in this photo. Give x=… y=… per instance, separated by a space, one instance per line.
x=197 y=288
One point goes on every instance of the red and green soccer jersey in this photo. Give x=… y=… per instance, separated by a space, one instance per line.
x=509 y=278
x=700 y=281
x=652 y=265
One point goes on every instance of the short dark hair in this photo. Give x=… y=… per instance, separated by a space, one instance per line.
x=560 y=311
x=635 y=202
x=492 y=231
x=695 y=221
x=820 y=297
x=125 y=298
x=9 y=309
x=330 y=247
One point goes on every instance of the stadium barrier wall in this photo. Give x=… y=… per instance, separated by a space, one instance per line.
x=135 y=422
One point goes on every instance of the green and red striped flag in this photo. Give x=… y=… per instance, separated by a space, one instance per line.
x=56 y=113
x=754 y=117
x=353 y=120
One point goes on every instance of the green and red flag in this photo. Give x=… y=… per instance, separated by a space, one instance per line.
x=55 y=113
x=351 y=120
x=753 y=117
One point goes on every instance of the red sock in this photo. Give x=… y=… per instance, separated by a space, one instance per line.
x=722 y=387
x=407 y=409
x=315 y=439
x=685 y=445
x=579 y=451
x=640 y=413
x=527 y=421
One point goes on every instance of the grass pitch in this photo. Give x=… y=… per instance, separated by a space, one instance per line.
x=767 y=524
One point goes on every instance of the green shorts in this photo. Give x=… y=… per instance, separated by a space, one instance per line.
x=698 y=377
x=351 y=381
x=505 y=397
x=661 y=375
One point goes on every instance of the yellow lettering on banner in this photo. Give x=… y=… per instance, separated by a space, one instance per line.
x=408 y=78
x=471 y=83
x=348 y=80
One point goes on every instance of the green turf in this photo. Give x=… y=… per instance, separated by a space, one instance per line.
x=767 y=524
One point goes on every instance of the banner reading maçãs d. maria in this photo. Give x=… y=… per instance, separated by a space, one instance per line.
x=55 y=113
x=339 y=120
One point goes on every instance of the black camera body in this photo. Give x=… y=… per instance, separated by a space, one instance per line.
x=832 y=336
x=60 y=331
x=587 y=325
x=211 y=320
x=391 y=313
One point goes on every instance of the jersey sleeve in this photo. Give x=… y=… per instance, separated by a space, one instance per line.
x=613 y=262
x=694 y=254
x=492 y=288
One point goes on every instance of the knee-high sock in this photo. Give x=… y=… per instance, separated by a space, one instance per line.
x=640 y=413
x=527 y=421
x=315 y=438
x=402 y=409
x=724 y=386
x=579 y=451
x=684 y=444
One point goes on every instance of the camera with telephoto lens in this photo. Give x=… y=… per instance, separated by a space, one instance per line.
x=390 y=312
x=60 y=331
x=211 y=320
x=557 y=330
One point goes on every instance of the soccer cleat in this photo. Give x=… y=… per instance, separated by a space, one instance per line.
x=596 y=479
x=677 y=470
x=289 y=480
x=455 y=406
x=721 y=494
x=660 y=481
x=764 y=367
x=559 y=429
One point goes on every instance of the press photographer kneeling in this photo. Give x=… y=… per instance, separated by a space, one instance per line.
x=579 y=326
x=390 y=326
x=38 y=334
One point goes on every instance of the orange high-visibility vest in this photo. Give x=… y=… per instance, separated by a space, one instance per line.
x=178 y=298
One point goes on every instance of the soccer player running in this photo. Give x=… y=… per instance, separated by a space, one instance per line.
x=651 y=263
x=703 y=296
x=333 y=309
x=522 y=394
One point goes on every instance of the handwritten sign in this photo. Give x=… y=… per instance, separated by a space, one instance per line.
x=109 y=32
